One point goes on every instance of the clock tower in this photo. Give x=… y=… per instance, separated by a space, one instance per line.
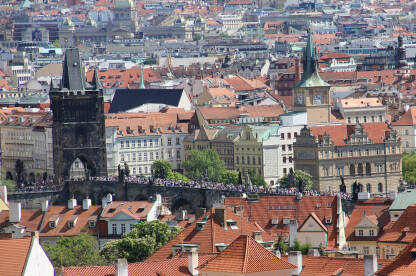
x=311 y=93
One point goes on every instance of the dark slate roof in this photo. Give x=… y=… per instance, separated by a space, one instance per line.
x=126 y=99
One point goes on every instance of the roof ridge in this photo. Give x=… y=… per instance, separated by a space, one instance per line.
x=245 y=262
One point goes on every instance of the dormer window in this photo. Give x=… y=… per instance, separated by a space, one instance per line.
x=70 y=224
x=232 y=224
x=275 y=221
x=286 y=221
x=328 y=220
x=52 y=224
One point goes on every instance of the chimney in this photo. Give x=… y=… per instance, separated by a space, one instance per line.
x=370 y=265
x=180 y=215
x=278 y=254
x=122 y=268
x=313 y=252
x=257 y=236
x=220 y=216
x=297 y=70
x=35 y=235
x=15 y=212
x=3 y=193
x=86 y=204
x=393 y=196
x=72 y=203
x=109 y=198
x=200 y=212
x=293 y=230
x=295 y=258
x=45 y=205
x=193 y=260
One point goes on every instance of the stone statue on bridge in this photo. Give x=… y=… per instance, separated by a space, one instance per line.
x=342 y=187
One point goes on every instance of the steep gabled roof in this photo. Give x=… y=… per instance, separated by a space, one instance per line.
x=126 y=99
x=13 y=255
x=404 y=229
x=210 y=234
x=243 y=256
x=403 y=264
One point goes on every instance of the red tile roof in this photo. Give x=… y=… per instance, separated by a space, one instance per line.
x=13 y=254
x=136 y=209
x=279 y=207
x=243 y=256
x=404 y=229
x=212 y=233
x=177 y=266
x=339 y=133
x=408 y=118
x=65 y=215
x=375 y=207
x=328 y=266
x=403 y=264
x=125 y=77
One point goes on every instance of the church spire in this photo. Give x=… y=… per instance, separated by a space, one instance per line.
x=141 y=78
x=310 y=66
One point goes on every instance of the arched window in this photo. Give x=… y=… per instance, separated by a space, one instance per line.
x=368 y=188
x=380 y=187
x=360 y=169
x=368 y=169
x=352 y=170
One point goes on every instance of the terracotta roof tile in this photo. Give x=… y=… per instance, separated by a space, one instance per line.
x=408 y=118
x=244 y=256
x=403 y=264
x=13 y=254
x=136 y=209
x=278 y=207
x=177 y=266
x=212 y=233
x=375 y=207
x=396 y=232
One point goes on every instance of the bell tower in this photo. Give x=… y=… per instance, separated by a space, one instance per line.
x=311 y=93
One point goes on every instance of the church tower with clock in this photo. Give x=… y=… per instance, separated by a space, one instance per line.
x=311 y=93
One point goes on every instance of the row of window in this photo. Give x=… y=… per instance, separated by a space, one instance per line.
x=288 y=135
x=246 y=160
x=365 y=120
x=138 y=143
x=355 y=153
x=127 y=157
x=122 y=228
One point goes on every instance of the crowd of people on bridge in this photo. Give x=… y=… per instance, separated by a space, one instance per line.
x=39 y=186
x=271 y=190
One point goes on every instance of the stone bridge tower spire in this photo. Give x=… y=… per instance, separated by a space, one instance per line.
x=78 y=122
x=311 y=93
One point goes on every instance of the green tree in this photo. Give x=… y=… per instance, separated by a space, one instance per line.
x=227 y=176
x=300 y=176
x=304 y=248
x=203 y=163
x=81 y=250
x=197 y=37
x=141 y=242
x=322 y=250
x=409 y=167
x=162 y=169
x=281 y=245
x=57 y=44
x=256 y=180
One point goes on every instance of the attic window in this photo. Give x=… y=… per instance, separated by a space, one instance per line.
x=70 y=224
x=329 y=205
x=328 y=220
x=91 y=223
x=318 y=205
x=140 y=210
x=276 y=207
x=52 y=224
x=232 y=224
x=270 y=207
x=275 y=221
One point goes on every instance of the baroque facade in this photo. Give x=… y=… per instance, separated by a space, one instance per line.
x=367 y=153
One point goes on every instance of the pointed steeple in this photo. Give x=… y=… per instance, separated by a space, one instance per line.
x=141 y=78
x=310 y=66
x=95 y=82
x=73 y=77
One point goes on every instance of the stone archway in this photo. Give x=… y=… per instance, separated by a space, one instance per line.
x=81 y=167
